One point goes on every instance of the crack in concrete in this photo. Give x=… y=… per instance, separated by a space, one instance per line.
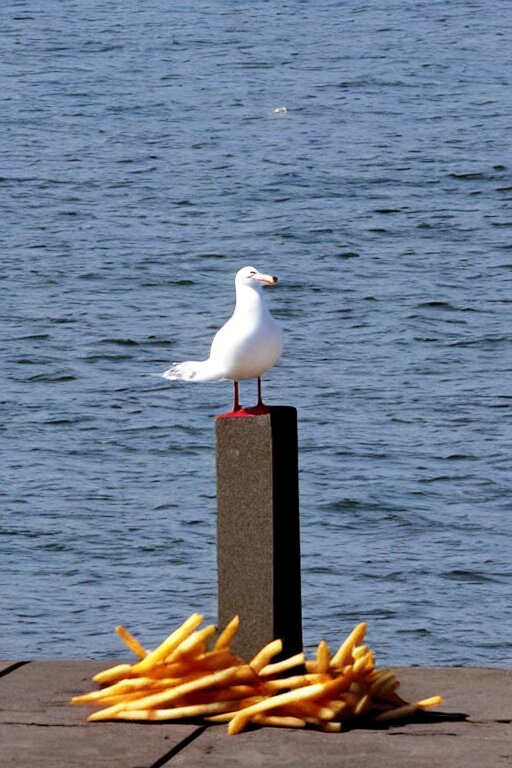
x=12 y=667
x=179 y=747
x=43 y=725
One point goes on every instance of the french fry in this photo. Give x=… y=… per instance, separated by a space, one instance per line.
x=344 y=653
x=279 y=721
x=191 y=645
x=176 y=713
x=231 y=692
x=132 y=642
x=123 y=686
x=295 y=681
x=358 y=651
x=113 y=674
x=363 y=705
x=122 y=698
x=432 y=701
x=339 y=708
x=311 y=710
x=169 y=645
x=264 y=656
x=323 y=657
x=334 y=727
x=228 y=633
x=226 y=717
x=282 y=666
x=408 y=710
x=363 y=663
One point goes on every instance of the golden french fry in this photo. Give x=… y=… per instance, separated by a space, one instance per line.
x=285 y=683
x=331 y=727
x=339 y=708
x=344 y=653
x=169 y=645
x=122 y=698
x=282 y=666
x=363 y=705
x=191 y=645
x=358 y=651
x=132 y=642
x=407 y=710
x=363 y=663
x=226 y=717
x=113 y=674
x=176 y=713
x=310 y=710
x=433 y=701
x=94 y=696
x=323 y=657
x=264 y=656
x=228 y=692
x=228 y=633
x=279 y=721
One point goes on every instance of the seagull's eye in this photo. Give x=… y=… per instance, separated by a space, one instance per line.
x=252 y=273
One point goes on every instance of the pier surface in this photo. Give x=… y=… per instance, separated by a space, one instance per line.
x=38 y=727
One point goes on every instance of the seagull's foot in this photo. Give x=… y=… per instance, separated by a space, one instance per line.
x=257 y=410
x=260 y=406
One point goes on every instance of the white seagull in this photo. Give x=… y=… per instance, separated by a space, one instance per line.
x=245 y=347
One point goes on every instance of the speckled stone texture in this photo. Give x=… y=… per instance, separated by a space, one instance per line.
x=258 y=537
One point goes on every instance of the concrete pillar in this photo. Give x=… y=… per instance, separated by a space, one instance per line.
x=258 y=537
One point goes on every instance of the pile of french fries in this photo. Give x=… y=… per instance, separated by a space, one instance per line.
x=191 y=675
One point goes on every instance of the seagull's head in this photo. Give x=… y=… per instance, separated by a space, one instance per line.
x=252 y=277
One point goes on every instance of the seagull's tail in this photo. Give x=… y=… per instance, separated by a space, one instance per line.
x=192 y=370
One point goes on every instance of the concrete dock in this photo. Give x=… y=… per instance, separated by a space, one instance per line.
x=38 y=727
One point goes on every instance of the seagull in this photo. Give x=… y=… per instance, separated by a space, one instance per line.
x=245 y=347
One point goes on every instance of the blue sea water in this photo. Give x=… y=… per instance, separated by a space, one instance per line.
x=142 y=163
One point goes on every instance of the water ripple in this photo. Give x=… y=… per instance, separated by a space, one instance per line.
x=139 y=171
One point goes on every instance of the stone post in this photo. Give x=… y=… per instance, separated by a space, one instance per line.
x=258 y=536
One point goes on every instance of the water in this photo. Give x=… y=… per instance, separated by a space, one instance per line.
x=142 y=164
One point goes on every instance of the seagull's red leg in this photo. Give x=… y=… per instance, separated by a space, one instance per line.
x=236 y=403
x=260 y=401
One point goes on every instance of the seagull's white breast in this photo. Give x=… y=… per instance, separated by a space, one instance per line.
x=249 y=344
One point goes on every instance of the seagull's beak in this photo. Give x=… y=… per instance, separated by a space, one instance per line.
x=268 y=279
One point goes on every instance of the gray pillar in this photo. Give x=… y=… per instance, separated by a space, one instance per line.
x=258 y=537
